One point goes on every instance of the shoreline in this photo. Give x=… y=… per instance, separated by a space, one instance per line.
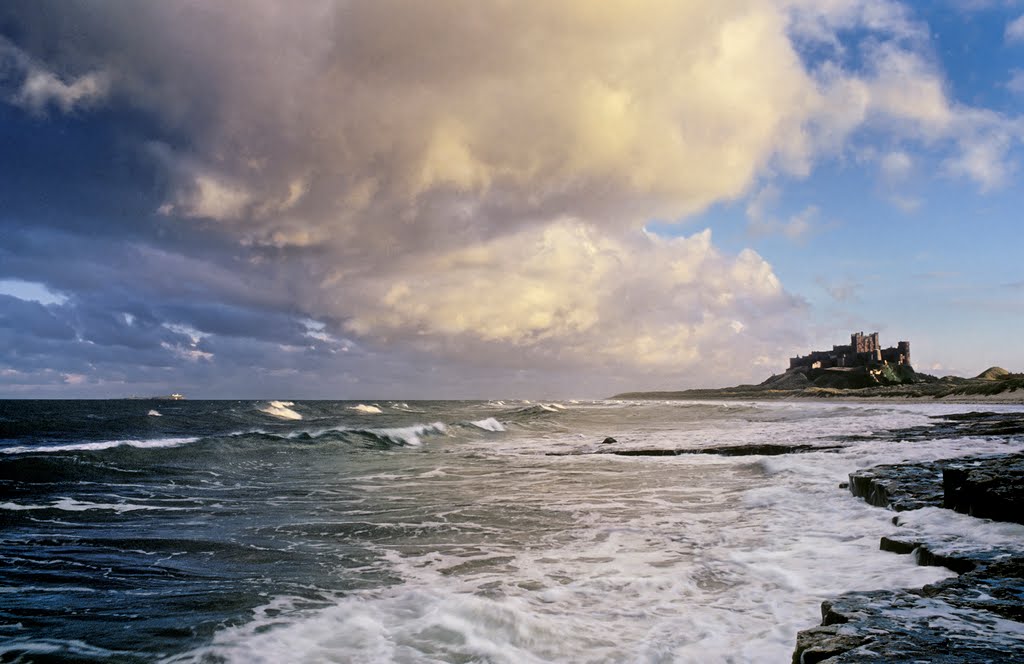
x=977 y=615
x=1002 y=398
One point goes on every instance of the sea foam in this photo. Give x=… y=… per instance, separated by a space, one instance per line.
x=366 y=410
x=411 y=436
x=98 y=445
x=282 y=410
x=489 y=424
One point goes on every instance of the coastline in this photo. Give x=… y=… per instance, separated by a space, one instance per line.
x=975 y=616
x=1015 y=397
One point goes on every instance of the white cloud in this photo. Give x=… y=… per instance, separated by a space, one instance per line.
x=214 y=199
x=896 y=165
x=1016 y=82
x=570 y=293
x=41 y=88
x=760 y=220
x=1015 y=30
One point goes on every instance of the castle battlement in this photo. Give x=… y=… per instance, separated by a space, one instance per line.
x=863 y=350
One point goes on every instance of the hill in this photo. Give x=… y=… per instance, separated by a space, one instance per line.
x=881 y=381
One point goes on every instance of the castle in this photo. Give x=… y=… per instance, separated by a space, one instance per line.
x=864 y=350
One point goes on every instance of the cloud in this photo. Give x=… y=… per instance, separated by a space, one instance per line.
x=41 y=88
x=761 y=222
x=572 y=294
x=844 y=291
x=1015 y=84
x=461 y=183
x=896 y=165
x=1015 y=30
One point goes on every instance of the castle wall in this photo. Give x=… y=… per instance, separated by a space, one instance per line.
x=863 y=350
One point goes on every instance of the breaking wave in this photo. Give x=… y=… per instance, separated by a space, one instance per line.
x=489 y=424
x=282 y=410
x=98 y=445
x=366 y=410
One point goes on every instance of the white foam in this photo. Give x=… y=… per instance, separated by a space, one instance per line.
x=72 y=505
x=406 y=625
x=99 y=445
x=411 y=436
x=489 y=424
x=366 y=410
x=690 y=558
x=154 y=413
x=282 y=410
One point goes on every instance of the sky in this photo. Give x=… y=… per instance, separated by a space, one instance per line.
x=464 y=199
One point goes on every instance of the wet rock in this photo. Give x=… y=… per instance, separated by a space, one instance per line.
x=608 y=441
x=766 y=449
x=926 y=555
x=820 y=643
x=975 y=617
x=901 y=486
x=990 y=488
x=972 y=424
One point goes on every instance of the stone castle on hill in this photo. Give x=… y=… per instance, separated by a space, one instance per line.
x=864 y=350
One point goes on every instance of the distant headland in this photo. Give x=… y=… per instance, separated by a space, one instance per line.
x=861 y=369
x=163 y=397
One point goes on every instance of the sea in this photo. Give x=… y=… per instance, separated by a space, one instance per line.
x=449 y=531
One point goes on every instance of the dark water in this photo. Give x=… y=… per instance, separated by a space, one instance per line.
x=428 y=531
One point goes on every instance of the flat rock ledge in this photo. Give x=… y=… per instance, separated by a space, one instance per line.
x=975 y=617
x=763 y=449
x=990 y=487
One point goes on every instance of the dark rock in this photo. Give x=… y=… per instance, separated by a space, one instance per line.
x=608 y=440
x=767 y=449
x=973 y=424
x=986 y=487
x=899 y=487
x=972 y=618
x=975 y=617
x=925 y=555
x=819 y=643
x=990 y=488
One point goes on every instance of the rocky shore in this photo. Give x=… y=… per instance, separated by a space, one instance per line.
x=977 y=616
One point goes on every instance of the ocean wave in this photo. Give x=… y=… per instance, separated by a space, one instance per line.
x=154 y=413
x=404 y=407
x=540 y=409
x=281 y=409
x=366 y=410
x=98 y=445
x=72 y=505
x=411 y=436
x=489 y=424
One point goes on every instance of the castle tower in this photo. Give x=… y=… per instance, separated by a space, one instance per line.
x=904 y=349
